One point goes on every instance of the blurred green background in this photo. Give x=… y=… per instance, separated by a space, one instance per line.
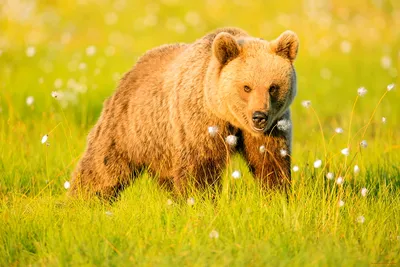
x=344 y=44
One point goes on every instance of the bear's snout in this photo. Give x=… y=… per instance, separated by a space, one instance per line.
x=260 y=120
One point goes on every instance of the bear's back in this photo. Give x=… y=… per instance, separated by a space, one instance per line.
x=151 y=65
x=158 y=63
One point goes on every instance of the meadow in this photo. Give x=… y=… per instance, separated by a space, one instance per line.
x=59 y=60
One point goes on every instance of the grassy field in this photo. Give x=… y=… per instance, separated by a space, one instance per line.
x=80 y=48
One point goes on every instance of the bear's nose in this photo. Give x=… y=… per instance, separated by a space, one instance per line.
x=260 y=119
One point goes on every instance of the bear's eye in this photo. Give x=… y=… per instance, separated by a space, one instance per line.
x=247 y=89
x=273 y=88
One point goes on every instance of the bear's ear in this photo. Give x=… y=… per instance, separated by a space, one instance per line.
x=286 y=45
x=225 y=47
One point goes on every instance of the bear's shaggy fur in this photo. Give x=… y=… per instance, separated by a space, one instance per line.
x=159 y=117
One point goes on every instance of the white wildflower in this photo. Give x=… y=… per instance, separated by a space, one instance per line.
x=90 y=50
x=364 y=144
x=190 y=201
x=317 y=163
x=345 y=151
x=231 y=140
x=30 y=51
x=338 y=130
x=345 y=46
x=55 y=94
x=284 y=125
x=306 y=103
x=67 y=185
x=360 y=219
x=262 y=149
x=82 y=66
x=329 y=176
x=356 y=169
x=236 y=174
x=213 y=130
x=214 y=234
x=296 y=168
x=108 y=213
x=169 y=202
x=383 y=120
x=340 y=180
x=364 y=192
x=386 y=62
x=390 y=87
x=362 y=91
x=283 y=152
x=30 y=100
x=44 y=138
x=341 y=203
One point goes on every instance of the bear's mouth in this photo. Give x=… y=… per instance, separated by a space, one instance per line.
x=259 y=129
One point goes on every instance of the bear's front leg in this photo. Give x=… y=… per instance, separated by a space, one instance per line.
x=269 y=157
x=193 y=170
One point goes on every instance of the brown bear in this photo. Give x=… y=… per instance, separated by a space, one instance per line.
x=185 y=108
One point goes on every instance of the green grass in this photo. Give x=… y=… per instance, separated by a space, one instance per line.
x=39 y=225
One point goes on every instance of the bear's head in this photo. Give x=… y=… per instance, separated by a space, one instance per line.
x=252 y=82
